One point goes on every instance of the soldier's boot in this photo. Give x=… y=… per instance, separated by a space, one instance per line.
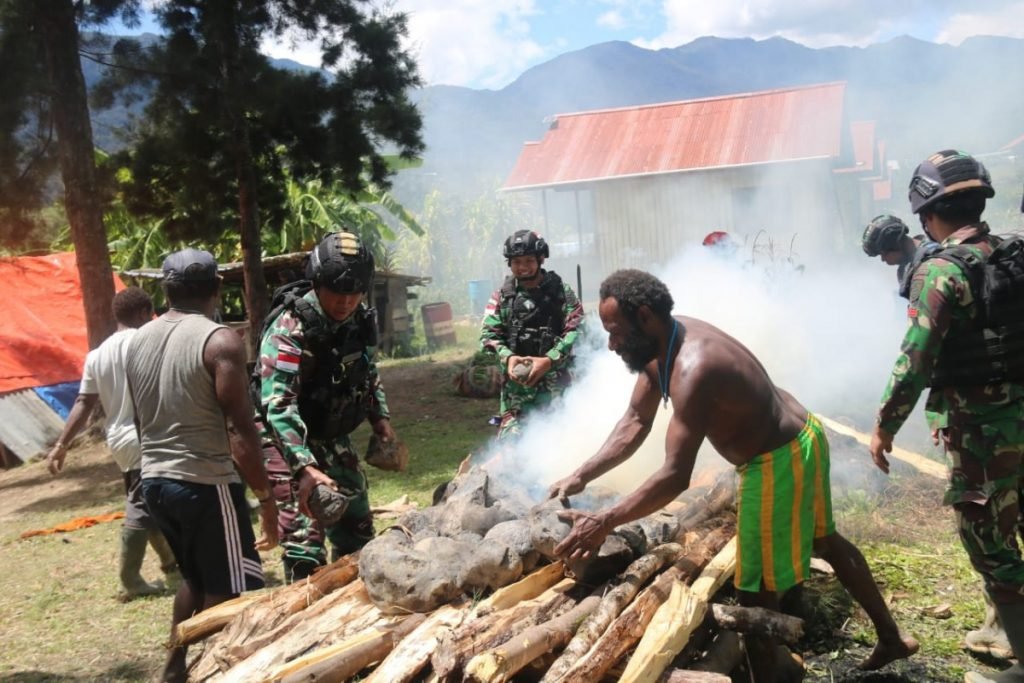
x=168 y=563
x=298 y=569
x=133 y=549
x=990 y=639
x=1012 y=616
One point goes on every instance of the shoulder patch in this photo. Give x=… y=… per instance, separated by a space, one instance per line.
x=288 y=359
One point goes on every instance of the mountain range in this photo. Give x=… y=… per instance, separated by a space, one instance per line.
x=923 y=96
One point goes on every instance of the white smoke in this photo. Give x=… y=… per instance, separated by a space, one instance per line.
x=829 y=335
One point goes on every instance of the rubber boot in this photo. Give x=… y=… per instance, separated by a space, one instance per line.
x=133 y=549
x=990 y=639
x=168 y=563
x=1012 y=616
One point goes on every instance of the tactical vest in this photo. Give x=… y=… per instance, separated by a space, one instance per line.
x=334 y=371
x=905 y=274
x=990 y=348
x=536 y=316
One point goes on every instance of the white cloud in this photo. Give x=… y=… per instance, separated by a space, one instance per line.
x=832 y=22
x=484 y=42
x=1006 y=21
x=611 y=19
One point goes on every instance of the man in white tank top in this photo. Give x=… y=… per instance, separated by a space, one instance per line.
x=188 y=381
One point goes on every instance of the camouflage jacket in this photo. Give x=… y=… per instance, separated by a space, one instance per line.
x=940 y=297
x=281 y=356
x=495 y=335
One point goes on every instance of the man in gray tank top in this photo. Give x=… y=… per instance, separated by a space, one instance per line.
x=187 y=380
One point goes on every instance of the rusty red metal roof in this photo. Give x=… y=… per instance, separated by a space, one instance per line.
x=751 y=128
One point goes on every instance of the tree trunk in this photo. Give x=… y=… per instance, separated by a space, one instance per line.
x=245 y=172
x=56 y=20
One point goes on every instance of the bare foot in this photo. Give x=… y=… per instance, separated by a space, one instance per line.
x=884 y=653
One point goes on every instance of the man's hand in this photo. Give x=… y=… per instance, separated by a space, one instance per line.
x=55 y=458
x=541 y=366
x=881 y=443
x=382 y=428
x=935 y=436
x=569 y=486
x=589 y=530
x=268 y=523
x=309 y=478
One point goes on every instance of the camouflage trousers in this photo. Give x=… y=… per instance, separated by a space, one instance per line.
x=985 y=491
x=518 y=402
x=303 y=538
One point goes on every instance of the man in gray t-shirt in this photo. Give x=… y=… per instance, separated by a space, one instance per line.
x=187 y=379
x=104 y=383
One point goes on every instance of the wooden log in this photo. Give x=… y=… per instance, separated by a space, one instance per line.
x=457 y=647
x=759 y=621
x=526 y=588
x=345 y=659
x=500 y=664
x=611 y=605
x=330 y=626
x=916 y=460
x=212 y=620
x=412 y=654
x=627 y=629
x=686 y=676
x=250 y=614
x=676 y=619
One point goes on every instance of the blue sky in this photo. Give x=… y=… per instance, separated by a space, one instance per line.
x=488 y=43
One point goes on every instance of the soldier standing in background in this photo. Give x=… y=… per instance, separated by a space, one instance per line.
x=531 y=323
x=889 y=238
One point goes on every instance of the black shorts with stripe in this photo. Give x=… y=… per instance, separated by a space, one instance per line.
x=208 y=528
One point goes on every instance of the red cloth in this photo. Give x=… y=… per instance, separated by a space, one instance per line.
x=714 y=238
x=43 y=340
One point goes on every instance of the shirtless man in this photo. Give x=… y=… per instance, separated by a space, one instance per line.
x=718 y=390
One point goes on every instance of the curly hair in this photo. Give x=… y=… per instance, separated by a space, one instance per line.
x=128 y=303
x=636 y=288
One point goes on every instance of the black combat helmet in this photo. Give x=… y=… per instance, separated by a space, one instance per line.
x=884 y=233
x=525 y=243
x=342 y=264
x=945 y=173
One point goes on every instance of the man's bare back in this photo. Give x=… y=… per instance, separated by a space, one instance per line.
x=749 y=415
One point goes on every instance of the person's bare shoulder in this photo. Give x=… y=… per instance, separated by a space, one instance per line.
x=224 y=345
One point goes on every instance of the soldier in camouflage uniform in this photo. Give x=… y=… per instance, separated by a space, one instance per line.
x=531 y=323
x=318 y=382
x=981 y=401
x=888 y=238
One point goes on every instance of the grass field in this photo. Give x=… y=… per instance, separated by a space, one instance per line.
x=60 y=619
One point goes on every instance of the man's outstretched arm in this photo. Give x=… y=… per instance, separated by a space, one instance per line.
x=77 y=419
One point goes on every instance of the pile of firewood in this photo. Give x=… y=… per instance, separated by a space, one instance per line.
x=641 y=624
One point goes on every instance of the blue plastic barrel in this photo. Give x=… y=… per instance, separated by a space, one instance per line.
x=479 y=293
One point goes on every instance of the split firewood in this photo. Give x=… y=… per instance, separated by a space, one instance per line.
x=676 y=619
x=345 y=659
x=500 y=664
x=525 y=589
x=249 y=614
x=611 y=605
x=685 y=676
x=399 y=506
x=333 y=625
x=628 y=628
x=212 y=620
x=759 y=621
x=411 y=655
x=457 y=647
x=822 y=567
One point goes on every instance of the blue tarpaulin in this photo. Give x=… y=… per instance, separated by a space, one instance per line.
x=60 y=397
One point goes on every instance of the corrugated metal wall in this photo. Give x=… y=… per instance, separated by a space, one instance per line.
x=643 y=222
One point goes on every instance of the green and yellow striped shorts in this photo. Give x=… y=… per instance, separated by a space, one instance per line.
x=783 y=503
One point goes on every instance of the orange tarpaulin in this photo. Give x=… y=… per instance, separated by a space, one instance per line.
x=43 y=340
x=75 y=524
